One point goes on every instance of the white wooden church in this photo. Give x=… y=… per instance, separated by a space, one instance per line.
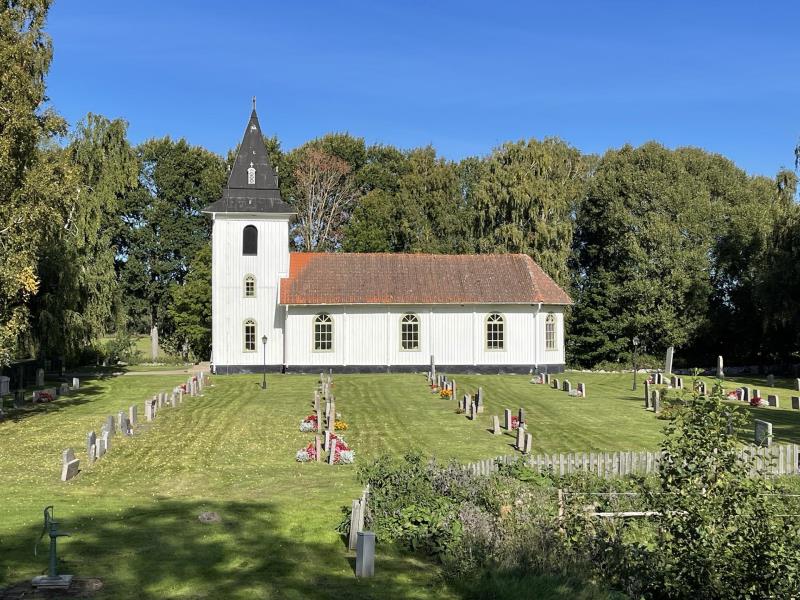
x=300 y=311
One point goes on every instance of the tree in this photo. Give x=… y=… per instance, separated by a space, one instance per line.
x=78 y=282
x=26 y=181
x=324 y=199
x=190 y=307
x=161 y=227
x=525 y=199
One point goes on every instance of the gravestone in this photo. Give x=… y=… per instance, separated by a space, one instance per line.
x=472 y=411
x=122 y=422
x=647 y=400
x=70 y=469
x=770 y=380
x=453 y=389
x=547 y=379
x=464 y=402
x=521 y=415
x=132 y=415
x=479 y=407
x=507 y=419
x=746 y=394
x=433 y=369
x=668 y=360
x=149 y=410
x=154 y=343
x=527 y=444
x=582 y=390
x=5 y=385
x=332 y=416
x=763 y=433
x=67 y=455
x=100 y=448
x=797 y=385
x=326 y=441
x=317 y=448
x=365 y=554
x=646 y=392
x=76 y=383
x=773 y=401
x=673 y=381
x=109 y=426
x=566 y=386
x=39 y=377
x=795 y=402
x=92 y=454
x=63 y=389
x=657 y=404
x=106 y=437
x=91 y=440
x=332 y=453
x=480 y=396
x=680 y=383
x=555 y=383
x=520 y=437
x=495 y=425
x=701 y=388
x=720 y=370
x=756 y=393
x=173 y=400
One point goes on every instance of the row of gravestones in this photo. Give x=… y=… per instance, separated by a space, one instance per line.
x=324 y=442
x=524 y=439
x=51 y=393
x=564 y=386
x=125 y=423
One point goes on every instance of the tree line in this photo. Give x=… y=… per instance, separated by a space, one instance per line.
x=677 y=247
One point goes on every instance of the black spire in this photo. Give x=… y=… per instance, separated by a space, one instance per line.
x=252 y=183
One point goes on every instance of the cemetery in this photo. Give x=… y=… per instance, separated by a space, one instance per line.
x=229 y=449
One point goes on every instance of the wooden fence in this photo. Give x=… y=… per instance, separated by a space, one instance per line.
x=778 y=459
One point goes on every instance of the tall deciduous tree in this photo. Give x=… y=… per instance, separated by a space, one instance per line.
x=26 y=181
x=78 y=282
x=525 y=199
x=162 y=227
x=190 y=308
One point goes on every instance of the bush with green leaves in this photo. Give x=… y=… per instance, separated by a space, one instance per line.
x=718 y=533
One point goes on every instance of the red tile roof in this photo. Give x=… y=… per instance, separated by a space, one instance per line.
x=346 y=278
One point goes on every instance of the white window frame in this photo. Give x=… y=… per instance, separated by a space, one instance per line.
x=322 y=338
x=550 y=333
x=412 y=335
x=250 y=323
x=495 y=340
x=247 y=279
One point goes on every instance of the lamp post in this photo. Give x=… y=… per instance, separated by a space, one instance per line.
x=635 y=346
x=264 y=380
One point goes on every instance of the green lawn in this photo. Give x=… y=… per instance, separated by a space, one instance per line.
x=133 y=515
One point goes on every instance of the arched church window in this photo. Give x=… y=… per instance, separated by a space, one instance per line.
x=409 y=332
x=323 y=333
x=250 y=241
x=495 y=332
x=250 y=335
x=249 y=286
x=251 y=175
x=550 y=332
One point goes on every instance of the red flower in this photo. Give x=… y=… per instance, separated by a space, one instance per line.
x=514 y=422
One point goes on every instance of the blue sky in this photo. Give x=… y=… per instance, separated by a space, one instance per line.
x=462 y=76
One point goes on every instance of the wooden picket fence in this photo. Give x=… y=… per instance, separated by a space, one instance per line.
x=778 y=459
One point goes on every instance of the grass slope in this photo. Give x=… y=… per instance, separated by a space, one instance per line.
x=133 y=514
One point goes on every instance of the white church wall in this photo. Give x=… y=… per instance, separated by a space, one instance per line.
x=230 y=307
x=369 y=335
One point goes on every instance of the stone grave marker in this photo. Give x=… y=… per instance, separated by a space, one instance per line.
x=521 y=415
x=797 y=385
x=479 y=407
x=679 y=382
x=566 y=386
x=67 y=455
x=795 y=402
x=745 y=394
x=582 y=390
x=520 y=437
x=673 y=381
x=720 y=370
x=326 y=441
x=76 y=383
x=647 y=400
x=646 y=391
x=668 y=360
x=657 y=404
x=63 y=389
x=70 y=469
x=763 y=433
x=547 y=379
x=756 y=393
x=318 y=448
x=106 y=437
x=495 y=425
x=555 y=383
x=173 y=400
x=773 y=401
x=770 y=380
x=122 y=419
x=132 y=415
x=39 y=377
x=332 y=453
x=100 y=448
x=453 y=393
x=110 y=425
x=701 y=388
x=472 y=411
x=91 y=440
x=92 y=454
x=5 y=385
x=527 y=443
x=507 y=419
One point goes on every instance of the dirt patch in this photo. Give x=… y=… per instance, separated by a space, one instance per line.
x=209 y=517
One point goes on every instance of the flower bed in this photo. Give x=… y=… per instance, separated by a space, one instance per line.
x=307 y=454
x=757 y=401
x=339 y=425
x=342 y=453
x=309 y=424
x=514 y=422
x=445 y=393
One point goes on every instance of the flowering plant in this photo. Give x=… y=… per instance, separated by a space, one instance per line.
x=514 y=422
x=733 y=395
x=45 y=397
x=306 y=454
x=309 y=423
x=342 y=453
x=339 y=425
x=445 y=393
x=757 y=401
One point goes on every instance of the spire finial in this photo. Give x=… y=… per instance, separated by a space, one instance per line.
x=254 y=102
